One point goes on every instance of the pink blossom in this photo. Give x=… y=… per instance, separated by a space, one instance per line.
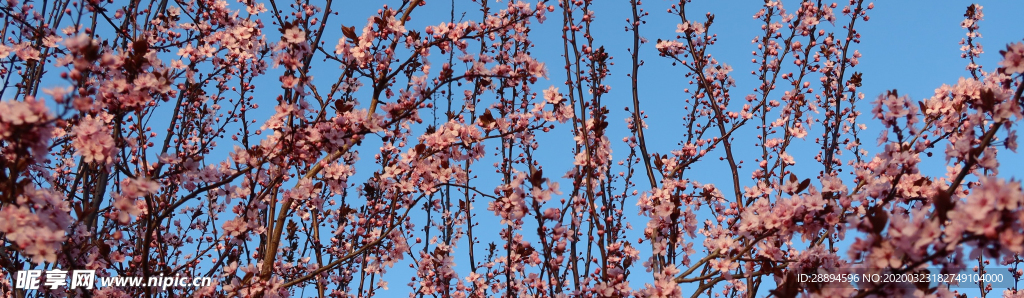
x=93 y=141
x=1013 y=58
x=294 y=35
